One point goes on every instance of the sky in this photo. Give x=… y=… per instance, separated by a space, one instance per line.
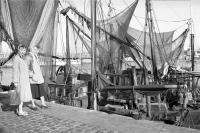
x=169 y=13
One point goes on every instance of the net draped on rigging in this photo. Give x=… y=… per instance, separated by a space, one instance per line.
x=107 y=32
x=32 y=23
x=113 y=33
x=166 y=49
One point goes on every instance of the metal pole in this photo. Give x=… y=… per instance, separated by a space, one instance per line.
x=192 y=61
x=93 y=45
x=192 y=50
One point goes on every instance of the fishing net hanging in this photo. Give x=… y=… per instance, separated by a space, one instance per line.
x=32 y=22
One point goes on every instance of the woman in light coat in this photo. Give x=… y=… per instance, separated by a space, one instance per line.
x=21 y=78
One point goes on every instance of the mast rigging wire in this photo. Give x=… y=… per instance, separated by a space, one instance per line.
x=104 y=27
x=88 y=21
x=164 y=55
x=175 y=21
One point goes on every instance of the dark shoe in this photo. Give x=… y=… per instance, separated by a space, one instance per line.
x=34 y=108
x=44 y=107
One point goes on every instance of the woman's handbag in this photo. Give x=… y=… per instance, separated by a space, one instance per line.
x=14 y=97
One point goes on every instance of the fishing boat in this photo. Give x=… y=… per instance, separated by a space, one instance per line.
x=154 y=55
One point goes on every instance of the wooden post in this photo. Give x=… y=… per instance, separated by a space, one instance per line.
x=192 y=50
x=114 y=78
x=64 y=91
x=93 y=45
x=56 y=91
x=192 y=59
x=159 y=103
x=68 y=61
x=148 y=99
x=1 y=75
x=148 y=104
x=135 y=84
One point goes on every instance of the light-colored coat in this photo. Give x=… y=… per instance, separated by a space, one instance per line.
x=21 y=78
x=37 y=77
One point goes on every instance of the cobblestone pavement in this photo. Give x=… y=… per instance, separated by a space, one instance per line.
x=37 y=122
x=67 y=119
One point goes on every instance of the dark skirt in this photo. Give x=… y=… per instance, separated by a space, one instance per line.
x=38 y=91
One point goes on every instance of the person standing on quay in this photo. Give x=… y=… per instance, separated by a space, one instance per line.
x=21 y=79
x=37 y=80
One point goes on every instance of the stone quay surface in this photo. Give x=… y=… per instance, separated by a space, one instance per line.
x=67 y=119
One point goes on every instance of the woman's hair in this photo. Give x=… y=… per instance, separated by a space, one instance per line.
x=21 y=46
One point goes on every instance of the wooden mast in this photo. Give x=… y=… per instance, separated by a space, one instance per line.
x=67 y=44
x=149 y=24
x=93 y=45
x=192 y=49
x=192 y=63
x=68 y=61
x=148 y=106
x=151 y=37
x=192 y=52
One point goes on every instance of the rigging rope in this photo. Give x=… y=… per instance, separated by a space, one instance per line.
x=62 y=39
x=107 y=33
x=75 y=39
x=88 y=20
x=83 y=38
x=110 y=8
x=175 y=21
x=138 y=21
x=162 y=42
x=104 y=27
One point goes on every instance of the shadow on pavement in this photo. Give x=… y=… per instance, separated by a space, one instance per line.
x=2 y=130
x=4 y=102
